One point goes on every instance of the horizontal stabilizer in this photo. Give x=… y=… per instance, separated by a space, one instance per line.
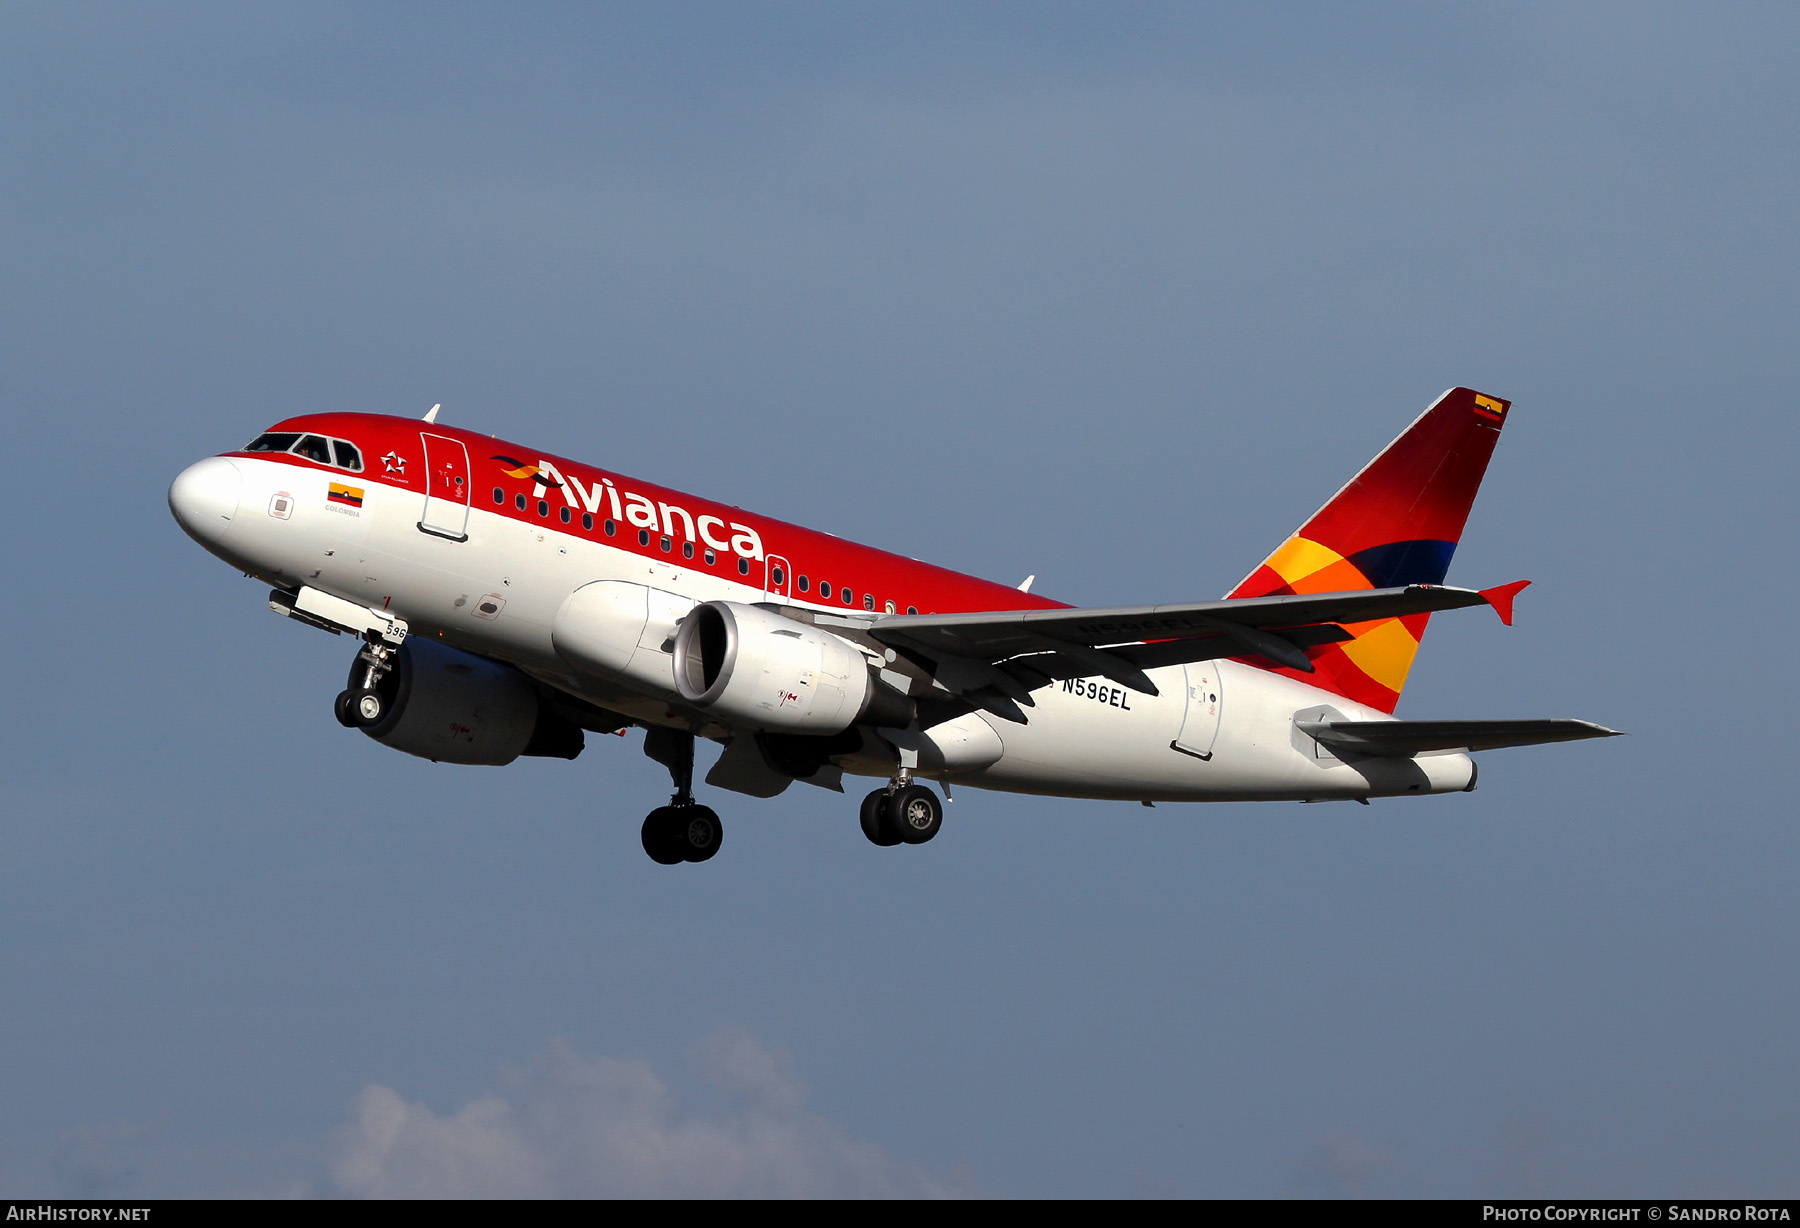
x=1404 y=739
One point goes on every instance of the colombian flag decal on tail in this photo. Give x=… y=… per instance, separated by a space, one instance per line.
x=1395 y=523
x=349 y=496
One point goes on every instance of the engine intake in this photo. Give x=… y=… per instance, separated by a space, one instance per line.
x=759 y=670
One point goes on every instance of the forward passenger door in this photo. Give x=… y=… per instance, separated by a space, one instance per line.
x=446 y=487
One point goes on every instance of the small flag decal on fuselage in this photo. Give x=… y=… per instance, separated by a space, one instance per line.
x=349 y=496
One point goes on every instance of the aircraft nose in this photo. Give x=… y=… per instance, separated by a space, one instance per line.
x=204 y=498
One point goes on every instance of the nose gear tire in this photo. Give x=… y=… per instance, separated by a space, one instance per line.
x=368 y=707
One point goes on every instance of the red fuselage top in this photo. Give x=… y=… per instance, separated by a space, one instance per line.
x=522 y=484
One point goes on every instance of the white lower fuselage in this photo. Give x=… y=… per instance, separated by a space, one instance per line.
x=1217 y=730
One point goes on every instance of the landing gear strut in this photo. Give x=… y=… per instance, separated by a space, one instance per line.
x=682 y=830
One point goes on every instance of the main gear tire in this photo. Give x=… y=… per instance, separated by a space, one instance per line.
x=915 y=813
x=875 y=823
x=658 y=835
x=697 y=832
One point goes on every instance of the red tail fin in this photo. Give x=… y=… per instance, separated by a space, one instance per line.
x=1395 y=523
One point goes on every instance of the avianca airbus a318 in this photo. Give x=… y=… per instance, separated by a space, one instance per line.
x=508 y=602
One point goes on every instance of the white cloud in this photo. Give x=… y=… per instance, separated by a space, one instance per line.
x=1341 y=1165
x=574 y=1126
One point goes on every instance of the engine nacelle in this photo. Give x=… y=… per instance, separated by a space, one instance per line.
x=621 y=631
x=762 y=671
x=453 y=707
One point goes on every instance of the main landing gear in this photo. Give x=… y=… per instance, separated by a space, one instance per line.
x=683 y=830
x=902 y=813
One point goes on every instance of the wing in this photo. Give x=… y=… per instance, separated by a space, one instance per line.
x=996 y=659
x=1152 y=635
x=1404 y=739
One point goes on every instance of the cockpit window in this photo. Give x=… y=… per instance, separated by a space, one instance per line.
x=314 y=447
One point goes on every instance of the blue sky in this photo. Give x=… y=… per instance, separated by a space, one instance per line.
x=1115 y=295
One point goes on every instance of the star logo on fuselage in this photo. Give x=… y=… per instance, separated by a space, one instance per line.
x=393 y=462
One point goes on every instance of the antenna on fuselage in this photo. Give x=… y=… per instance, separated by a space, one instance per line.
x=431 y=414
x=1026 y=587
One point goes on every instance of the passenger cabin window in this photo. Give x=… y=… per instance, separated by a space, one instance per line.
x=314 y=447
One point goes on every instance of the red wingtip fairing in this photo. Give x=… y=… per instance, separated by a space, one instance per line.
x=1501 y=598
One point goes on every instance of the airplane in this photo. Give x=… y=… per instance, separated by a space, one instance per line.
x=510 y=602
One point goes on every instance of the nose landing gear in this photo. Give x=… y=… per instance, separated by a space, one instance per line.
x=683 y=830
x=366 y=705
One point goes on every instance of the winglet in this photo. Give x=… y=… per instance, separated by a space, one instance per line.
x=1501 y=598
